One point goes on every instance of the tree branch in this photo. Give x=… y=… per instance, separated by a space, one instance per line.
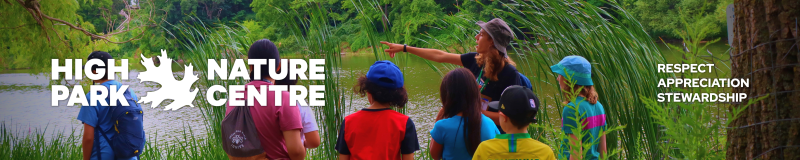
x=33 y=8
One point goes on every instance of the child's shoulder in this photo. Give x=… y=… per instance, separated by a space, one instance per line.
x=535 y=143
x=494 y=143
x=388 y=113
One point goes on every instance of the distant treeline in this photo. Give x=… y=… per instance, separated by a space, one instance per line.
x=413 y=22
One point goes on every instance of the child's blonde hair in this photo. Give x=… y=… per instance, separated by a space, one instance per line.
x=587 y=92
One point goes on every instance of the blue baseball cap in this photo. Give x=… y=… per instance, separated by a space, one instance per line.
x=577 y=67
x=385 y=74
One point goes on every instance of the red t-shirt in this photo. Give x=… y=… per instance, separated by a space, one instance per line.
x=377 y=134
x=271 y=121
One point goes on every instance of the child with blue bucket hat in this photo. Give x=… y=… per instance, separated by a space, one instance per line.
x=577 y=70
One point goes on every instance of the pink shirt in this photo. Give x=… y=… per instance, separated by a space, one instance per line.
x=271 y=121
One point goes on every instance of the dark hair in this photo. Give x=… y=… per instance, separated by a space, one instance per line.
x=286 y=81
x=396 y=97
x=263 y=49
x=525 y=122
x=459 y=94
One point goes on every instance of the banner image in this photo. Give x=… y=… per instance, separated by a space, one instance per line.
x=399 y=79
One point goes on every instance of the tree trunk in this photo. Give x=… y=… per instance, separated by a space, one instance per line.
x=765 y=50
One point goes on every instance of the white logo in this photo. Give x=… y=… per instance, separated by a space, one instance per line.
x=533 y=105
x=237 y=139
x=178 y=91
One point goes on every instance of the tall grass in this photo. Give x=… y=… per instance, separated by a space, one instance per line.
x=624 y=59
x=204 y=42
x=34 y=143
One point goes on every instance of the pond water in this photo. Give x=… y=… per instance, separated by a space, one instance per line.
x=26 y=99
x=27 y=107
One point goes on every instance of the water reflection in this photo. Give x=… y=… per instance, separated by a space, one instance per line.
x=30 y=108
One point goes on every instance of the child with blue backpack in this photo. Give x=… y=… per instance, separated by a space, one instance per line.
x=111 y=132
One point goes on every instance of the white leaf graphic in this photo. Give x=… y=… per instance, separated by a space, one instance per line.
x=179 y=91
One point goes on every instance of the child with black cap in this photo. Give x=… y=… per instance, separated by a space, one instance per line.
x=518 y=107
x=378 y=132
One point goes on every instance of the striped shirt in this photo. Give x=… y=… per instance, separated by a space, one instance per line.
x=513 y=147
x=593 y=117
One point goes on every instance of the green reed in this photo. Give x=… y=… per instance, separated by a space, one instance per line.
x=34 y=143
x=623 y=59
x=204 y=42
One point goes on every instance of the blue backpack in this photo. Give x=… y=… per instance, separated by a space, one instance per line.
x=129 y=125
x=524 y=81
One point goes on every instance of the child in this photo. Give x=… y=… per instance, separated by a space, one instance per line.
x=464 y=127
x=377 y=132
x=278 y=127
x=591 y=111
x=518 y=107
x=97 y=119
x=310 y=134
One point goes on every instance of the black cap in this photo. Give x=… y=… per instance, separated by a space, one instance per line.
x=517 y=103
x=263 y=49
x=104 y=56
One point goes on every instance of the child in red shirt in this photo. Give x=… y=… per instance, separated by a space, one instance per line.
x=377 y=132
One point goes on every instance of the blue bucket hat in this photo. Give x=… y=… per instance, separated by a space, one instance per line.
x=577 y=67
x=385 y=74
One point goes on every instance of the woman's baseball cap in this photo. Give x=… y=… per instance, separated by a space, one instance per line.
x=500 y=32
x=577 y=67
x=385 y=74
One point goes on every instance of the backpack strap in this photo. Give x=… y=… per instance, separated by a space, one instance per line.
x=100 y=156
x=102 y=132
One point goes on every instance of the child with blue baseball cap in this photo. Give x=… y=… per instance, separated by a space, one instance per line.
x=577 y=70
x=378 y=132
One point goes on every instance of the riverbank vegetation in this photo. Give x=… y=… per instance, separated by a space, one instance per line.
x=610 y=36
x=126 y=30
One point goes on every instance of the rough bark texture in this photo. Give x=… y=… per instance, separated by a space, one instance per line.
x=766 y=51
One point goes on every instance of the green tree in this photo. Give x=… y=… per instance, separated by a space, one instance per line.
x=765 y=50
x=662 y=18
x=32 y=34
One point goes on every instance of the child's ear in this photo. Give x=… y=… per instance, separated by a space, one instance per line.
x=369 y=97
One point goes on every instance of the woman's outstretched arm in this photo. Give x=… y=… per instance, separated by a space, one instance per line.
x=429 y=54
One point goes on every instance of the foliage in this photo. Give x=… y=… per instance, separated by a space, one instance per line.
x=662 y=18
x=621 y=53
x=19 y=143
x=20 y=29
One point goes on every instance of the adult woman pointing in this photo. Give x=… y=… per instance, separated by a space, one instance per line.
x=490 y=63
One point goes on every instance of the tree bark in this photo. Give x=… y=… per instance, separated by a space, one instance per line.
x=765 y=50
